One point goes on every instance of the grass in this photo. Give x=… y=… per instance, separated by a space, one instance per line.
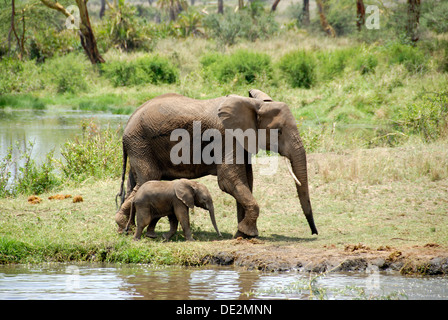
x=360 y=190
x=379 y=197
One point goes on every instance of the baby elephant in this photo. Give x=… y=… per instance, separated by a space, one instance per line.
x=156 y=199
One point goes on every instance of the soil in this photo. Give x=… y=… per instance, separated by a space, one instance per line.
x=429 y=259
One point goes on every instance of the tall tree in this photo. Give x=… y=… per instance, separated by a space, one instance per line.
x=86 y=35
x=221 y=6
x=174 y=7
x=306 y=12
x=274 y=5
x=413 y=20
x=323 y=19
x=360 y=14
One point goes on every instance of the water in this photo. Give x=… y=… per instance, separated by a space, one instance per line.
x=47 y=129
x=109 y=281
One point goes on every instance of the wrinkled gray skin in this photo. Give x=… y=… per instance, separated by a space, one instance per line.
x=156 y=199
x=146 y=141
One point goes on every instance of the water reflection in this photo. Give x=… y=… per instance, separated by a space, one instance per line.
x=61 y=281
x=47 y=129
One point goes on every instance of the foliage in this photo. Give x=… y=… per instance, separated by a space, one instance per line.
x=332 y=63
x=366 y=62
x=143 y=70
x=97 y=153
x=243 y=66
x=17 y=76
x=299 y=69
x=428 y=118
x=227 y=28
x=413 y=58
x=29 y=177
x=68 y=73
x=122 y=28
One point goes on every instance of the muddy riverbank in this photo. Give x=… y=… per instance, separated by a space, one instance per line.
x=429 y=259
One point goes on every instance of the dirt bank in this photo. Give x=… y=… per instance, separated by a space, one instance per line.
x=430 y=259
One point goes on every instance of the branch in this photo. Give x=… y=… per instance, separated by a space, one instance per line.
x=58 y=7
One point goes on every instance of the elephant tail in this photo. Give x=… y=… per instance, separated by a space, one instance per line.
x=121 y=194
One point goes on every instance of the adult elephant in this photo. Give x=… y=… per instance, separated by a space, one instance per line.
x=148 y=142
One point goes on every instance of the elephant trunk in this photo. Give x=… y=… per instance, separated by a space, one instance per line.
x=211 y=210
x=299 y=168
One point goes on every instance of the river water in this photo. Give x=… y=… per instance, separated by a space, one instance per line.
x=112 y=281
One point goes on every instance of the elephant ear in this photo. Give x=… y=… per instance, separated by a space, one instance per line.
x=238 y=112
x=257 y=94
x=185 y=192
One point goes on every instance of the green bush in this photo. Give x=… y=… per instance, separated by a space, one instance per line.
x=428 y=118
x=299 y=69
x=97 y=153
x=30 y=177
x=366 y=62
x=19 y=76
x=250 y=24
x=332 y=63
x=68 y=73
x=412 y=58
x=242 y=66
x=143 y=70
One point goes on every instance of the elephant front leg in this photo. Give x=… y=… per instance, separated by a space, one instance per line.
x=238 y=183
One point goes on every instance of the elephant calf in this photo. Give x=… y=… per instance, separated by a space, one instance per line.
x=156 y=199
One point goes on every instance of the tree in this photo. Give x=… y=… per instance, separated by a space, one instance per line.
x=323 y=20
x=274 y=5
x=174 y=7
x=306 y=12
x=221 y=6
x=413 y=20
x=86 y=35
x=360 y=14
x=19 y=32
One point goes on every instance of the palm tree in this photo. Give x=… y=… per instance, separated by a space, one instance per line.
x=174 y=7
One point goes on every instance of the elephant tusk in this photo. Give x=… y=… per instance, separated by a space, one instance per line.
x=292 y=173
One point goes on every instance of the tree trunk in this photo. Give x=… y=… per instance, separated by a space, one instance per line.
x=240 y=4
x=88 y=41
x=413 y=20
x=274 y=5
x=86 y=35
x=306 y=13
x=221 y=6
x=323 y=20
x=103 y=8
x=360 y=14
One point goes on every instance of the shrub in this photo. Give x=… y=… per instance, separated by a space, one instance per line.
x=142 y=70
x=251 y=24
x=30 y=177
x=68 y=73
x=298 y=68
x=242 y=66
x=19 y=76
x=412 y=58
x=366 y=62
x=333 y=63
x=97 y=153
x=428 y=118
